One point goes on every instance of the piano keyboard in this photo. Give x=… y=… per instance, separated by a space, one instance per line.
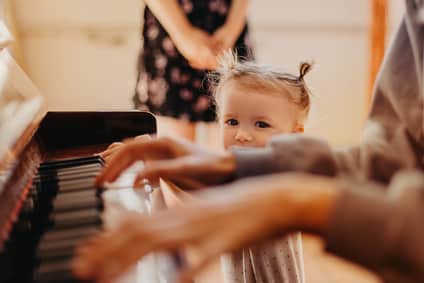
x=63 y=208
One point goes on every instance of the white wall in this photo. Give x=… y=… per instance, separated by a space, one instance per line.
x=334 y=34
x=82 y=53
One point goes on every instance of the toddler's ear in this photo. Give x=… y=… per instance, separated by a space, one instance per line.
x=299 y=129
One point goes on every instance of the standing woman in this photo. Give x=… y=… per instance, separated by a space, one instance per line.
x=181 y=39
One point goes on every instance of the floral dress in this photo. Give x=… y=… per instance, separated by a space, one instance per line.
x=166 y=84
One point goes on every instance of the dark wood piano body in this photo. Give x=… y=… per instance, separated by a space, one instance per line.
x=29 y=135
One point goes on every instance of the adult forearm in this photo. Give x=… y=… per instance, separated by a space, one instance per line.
x=236 y=19
x=381 y=227
x=170 y=15
x=286 y=153
x=310 y=205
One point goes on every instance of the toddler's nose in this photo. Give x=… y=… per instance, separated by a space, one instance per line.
x=243 y=136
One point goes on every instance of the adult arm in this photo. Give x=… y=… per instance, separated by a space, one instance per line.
x=380 y=230
x=193 y=43
x=226 y=36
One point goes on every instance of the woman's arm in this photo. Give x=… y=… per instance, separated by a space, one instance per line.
x=226 y=36
x=171 y=16
x=236 y=19
x=193 y=43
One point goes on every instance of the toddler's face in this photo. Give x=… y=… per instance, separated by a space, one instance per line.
x=249 y=118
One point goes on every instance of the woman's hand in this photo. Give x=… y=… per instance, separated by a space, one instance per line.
x=176 y=160
x=193 y=43
x=196 y=46
x=224 y=219
x=224 y=39
x=226 y=36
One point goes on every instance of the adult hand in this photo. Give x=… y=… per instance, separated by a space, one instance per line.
x=176 y=160
x=112 y=149
x=225 y=219
x=223 y=39
x=195 y=46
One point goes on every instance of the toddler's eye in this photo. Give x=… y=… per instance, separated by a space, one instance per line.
x=232 y=122
x=262 y=124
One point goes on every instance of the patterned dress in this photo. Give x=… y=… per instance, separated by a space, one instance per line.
x=166 y=83
x=279 y=261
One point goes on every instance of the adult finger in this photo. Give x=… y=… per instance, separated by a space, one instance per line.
x=144 y=137
x=110 y=254
x=181 y=169
x=128 y=154
x=117 y=163
x=209 y=248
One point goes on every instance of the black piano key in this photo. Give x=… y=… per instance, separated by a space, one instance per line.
x=53 y=250
x=77 y=186
x=92 y=170
x=76 y=182
x=73 y=176
x=57 y=174
x=89 y=178
x=55 y=272
x=53 y=188
x=57 y=179
x=70 y=168
x=76 y=218
x=60 y=164
x=78 y=160
x=54 y=174
x=62 y=205
x=76 y=195
x=65 y=234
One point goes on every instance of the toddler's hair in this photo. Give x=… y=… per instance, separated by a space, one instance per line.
x=263 y=78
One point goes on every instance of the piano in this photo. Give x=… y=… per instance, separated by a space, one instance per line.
x=47 y=167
